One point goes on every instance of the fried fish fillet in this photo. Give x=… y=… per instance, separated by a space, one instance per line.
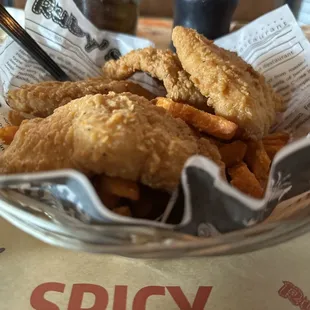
x=160 y=64
x=237 y=92
x=120 y=135
x=43 y=98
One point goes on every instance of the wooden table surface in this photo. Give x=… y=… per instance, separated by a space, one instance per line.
x=157 y=30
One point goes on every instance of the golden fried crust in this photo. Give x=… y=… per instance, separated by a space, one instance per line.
x=160 y=64
x=43 y=98
x=237 y=92
x=120 y=135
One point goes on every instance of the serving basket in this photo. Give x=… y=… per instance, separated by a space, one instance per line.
x=289 y=220
x=60 y=227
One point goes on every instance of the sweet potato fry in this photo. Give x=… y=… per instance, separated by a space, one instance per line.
x=233 y=153
x=151 y=204
x=119 y=187
x=258 y=161
x=275 y=142
x=272 y=150
x=109 y=200
x=243 y=179
x=7 y=134
x=278 y=136
x=240 y=134
x=213 y=125
x=123 y=210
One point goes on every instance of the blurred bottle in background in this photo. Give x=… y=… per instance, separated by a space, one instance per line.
x=7 y=2
x=113 y=15
x=294 y=6
x=211 y=18
x=301 y=10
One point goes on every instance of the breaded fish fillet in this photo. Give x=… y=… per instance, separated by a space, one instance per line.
x=120 y=135
x=236 y=90
x=43 y=98
x=160 y=64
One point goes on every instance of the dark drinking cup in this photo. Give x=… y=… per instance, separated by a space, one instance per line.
x=211 y=18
